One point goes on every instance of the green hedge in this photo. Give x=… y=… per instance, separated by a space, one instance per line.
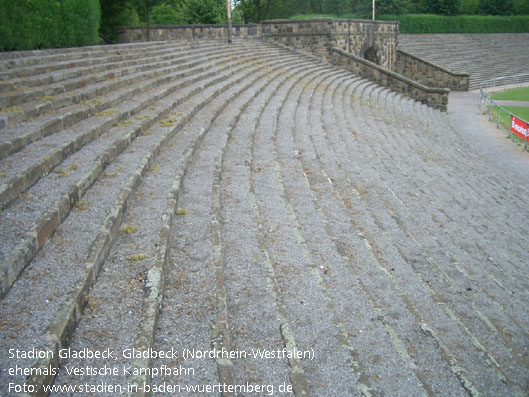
x=459 y=24
x=425 y=23
x=31 y=24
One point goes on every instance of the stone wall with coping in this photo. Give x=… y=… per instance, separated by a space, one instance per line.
x=186 y=32
x=319 y=36
x=434 y=97
x=428 y=73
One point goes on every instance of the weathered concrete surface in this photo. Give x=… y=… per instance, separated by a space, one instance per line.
x=263 y=199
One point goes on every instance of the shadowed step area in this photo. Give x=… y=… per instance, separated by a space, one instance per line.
x=274 y=223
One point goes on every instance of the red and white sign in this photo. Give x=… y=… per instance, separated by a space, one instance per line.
x=518 y=127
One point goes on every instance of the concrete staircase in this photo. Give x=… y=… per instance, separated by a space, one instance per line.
x=261 y=199
x=484 y=56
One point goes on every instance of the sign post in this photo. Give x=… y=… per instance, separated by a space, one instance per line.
x=520 y=128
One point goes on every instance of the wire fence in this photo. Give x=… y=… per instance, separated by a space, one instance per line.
x=517 y=127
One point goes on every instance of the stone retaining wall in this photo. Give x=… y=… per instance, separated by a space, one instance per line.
x=430 y=74
x=186 y=32
x=434 y=97
x=317 y=36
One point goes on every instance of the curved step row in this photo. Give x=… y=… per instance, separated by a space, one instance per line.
x=202 y=125
x=368 y=329
x=45 y=219
x=279 y=204
x=43 y=87
x=418 y=260
x=15 y=59
x=61 y=320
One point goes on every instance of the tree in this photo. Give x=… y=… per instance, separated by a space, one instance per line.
x=445 y=7
x=417 y=7
x=470 y=7
x=204 y=11
x=336 y=7
x=254 y=10
x=523 y=7
x=116 y=13
x=144 y=8
x=496 y=7
x=164 y=14
x=391 y=7
x=383 y=7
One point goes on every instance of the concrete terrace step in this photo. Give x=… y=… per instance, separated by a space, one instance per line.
x=213 y=92
x=484 y=56
x=23 y=178
x=11 y=60
x=110 y=65
x=248 y=197
x=96 y=99
x=68 y=84
x=141 y=122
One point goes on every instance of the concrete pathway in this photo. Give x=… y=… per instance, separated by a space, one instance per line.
x=474 y=126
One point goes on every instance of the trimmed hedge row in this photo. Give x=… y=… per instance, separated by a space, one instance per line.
x=32 y=24
x=421 y=24
x=426 y=23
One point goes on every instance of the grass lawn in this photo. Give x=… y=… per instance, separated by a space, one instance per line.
x=505 y=119
x=516 y=94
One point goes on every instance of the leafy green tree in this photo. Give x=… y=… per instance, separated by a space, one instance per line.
x=445 y=7
x=115 y=13
x=523 y=7
x=164 y=14
x=391 y=7
x=204 y=11
x=382 y=7
x=470 y=7
x=496 y=7
x=31 y=24
x=316 y=6
x=336 y=7
x=254 y=10
x=417 y=7
x=144 y=8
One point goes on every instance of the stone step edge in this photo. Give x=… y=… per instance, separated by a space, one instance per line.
x=33 y=80
x=69 y=84
x=155 y=278
x=12 y=189
x=74 y=82
x=50 y=126
x=67 y=317
x=27 y=72
x=297 y=375
x=46 y=225
x=11 y=57
x=70 y=118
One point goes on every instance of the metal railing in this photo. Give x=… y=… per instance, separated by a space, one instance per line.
x=503 y=82
x=487 y=104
